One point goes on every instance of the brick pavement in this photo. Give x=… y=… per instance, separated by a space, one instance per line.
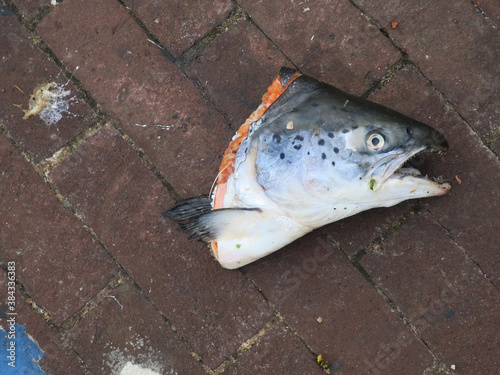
x=151 y=94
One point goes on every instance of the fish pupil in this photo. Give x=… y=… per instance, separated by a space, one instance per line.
x=375 y=141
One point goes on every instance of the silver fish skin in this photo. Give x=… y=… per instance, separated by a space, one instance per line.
x=317 y=155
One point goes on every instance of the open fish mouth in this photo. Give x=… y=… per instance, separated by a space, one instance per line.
x=398 y=166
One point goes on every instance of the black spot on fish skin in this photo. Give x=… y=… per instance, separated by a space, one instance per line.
x=330 y=135
x=345 y=131
x=321 y=142
x=282 y=155
x=299 y=138
x=333 y=163
x=355 y=127
x=314 y=104
x=308 y=153
x=323 y=156
x=297 y=147
x=276 y=138
x=336 y=150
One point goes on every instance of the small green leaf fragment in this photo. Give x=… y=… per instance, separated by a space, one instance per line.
x=238 y=245
x=372 y=183
x=322 y=362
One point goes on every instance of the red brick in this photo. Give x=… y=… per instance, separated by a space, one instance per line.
x=180 y=24
x=58 y=262
x=279 y=351
x=125 y=327
x=464 y=209
x=465 y=69
x=216 y=310
x=329 y=40
x=25 y=66
x=311 y=279
x=443 y=293
x=236 y=69
x=58 y=359
x=154 y=103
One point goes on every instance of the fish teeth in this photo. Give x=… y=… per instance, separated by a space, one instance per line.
x=409 y=171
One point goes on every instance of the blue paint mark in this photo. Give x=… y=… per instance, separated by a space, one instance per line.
x=19 y=354
x=4 y=11
x=450 y=314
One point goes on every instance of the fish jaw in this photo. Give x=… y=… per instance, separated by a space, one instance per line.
x=400 y=187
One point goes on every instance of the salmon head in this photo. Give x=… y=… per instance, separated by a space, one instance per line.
x=308 y=156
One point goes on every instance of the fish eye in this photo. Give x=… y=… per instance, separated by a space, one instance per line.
x=375 y=142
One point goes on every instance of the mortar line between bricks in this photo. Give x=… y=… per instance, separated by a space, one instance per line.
x=165 y=318
x=148 y=162
x=91 y=304
x=247 y=345
x=5 y=132
x=39 y=310
x=448 y=104
x=48 y=164
x=151 y=37
x=448 y=232
x=392 y=305
x=388 y=76
x=280 y=318
x=32 y=22
x=379 y=240
x=380 y=28
x=483 y=13
x=491 y=137
x=198 y=48
x=274 y=44
x=195 y=51
x=35 y=20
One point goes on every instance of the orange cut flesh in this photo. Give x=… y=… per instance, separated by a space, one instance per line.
x=227 y=165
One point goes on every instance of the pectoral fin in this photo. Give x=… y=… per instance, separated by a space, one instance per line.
x=197 y=216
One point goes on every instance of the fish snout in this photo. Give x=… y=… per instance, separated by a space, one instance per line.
x=431 y=139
